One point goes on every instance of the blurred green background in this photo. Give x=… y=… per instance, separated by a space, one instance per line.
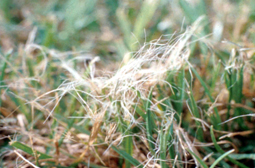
x=111 y=28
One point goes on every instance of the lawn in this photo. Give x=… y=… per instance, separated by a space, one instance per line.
x=121 y=84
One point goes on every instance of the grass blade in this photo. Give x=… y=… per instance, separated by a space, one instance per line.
x=243 y=156
x=218 y=148
x=221 y=158
x=29 y=150
x=128 y=148
x=163 y=146
x=195 y=111
x=3 y=73
x=125 y=26
x=128 y=157
x=150 y=123
x=165 y=137
x=216 y=120
x=181 y=84
x=144 y=17
x=203 y=164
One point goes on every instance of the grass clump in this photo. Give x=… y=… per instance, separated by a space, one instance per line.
x=182 y=100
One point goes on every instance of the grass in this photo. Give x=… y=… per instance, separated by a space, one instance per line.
x=117 y=84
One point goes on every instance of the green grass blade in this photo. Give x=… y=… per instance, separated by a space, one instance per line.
x=165 y=134
x=243 y=156
x=129 y=149
x=195 y=111
x=140 y=112
x=189 y=10
x=3 y=73
x=150 y=123
x=203 y=84
x=218 y=148
x=163 y=146
x=122 y=50
x=181 y=84
x=238 y=95
x=203 y=164
x=28 y=150
x=234 y=83
x=125 y=26
x=30 y=65
x=171 y=146
x=193 y=12
x=215 y=77
x=216 y=120
x=179 y=94
x=128 y=157
x=221 y=158
x=167 y=103
x=144 y=17
x=19 y=103
x=86 y=164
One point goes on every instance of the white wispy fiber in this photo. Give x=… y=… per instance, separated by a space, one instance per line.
x=145 y=69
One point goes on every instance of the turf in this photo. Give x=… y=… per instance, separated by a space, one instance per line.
x=127 y=83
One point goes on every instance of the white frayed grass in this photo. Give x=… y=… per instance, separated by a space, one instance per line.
x=240 y=116
x=119 y=90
